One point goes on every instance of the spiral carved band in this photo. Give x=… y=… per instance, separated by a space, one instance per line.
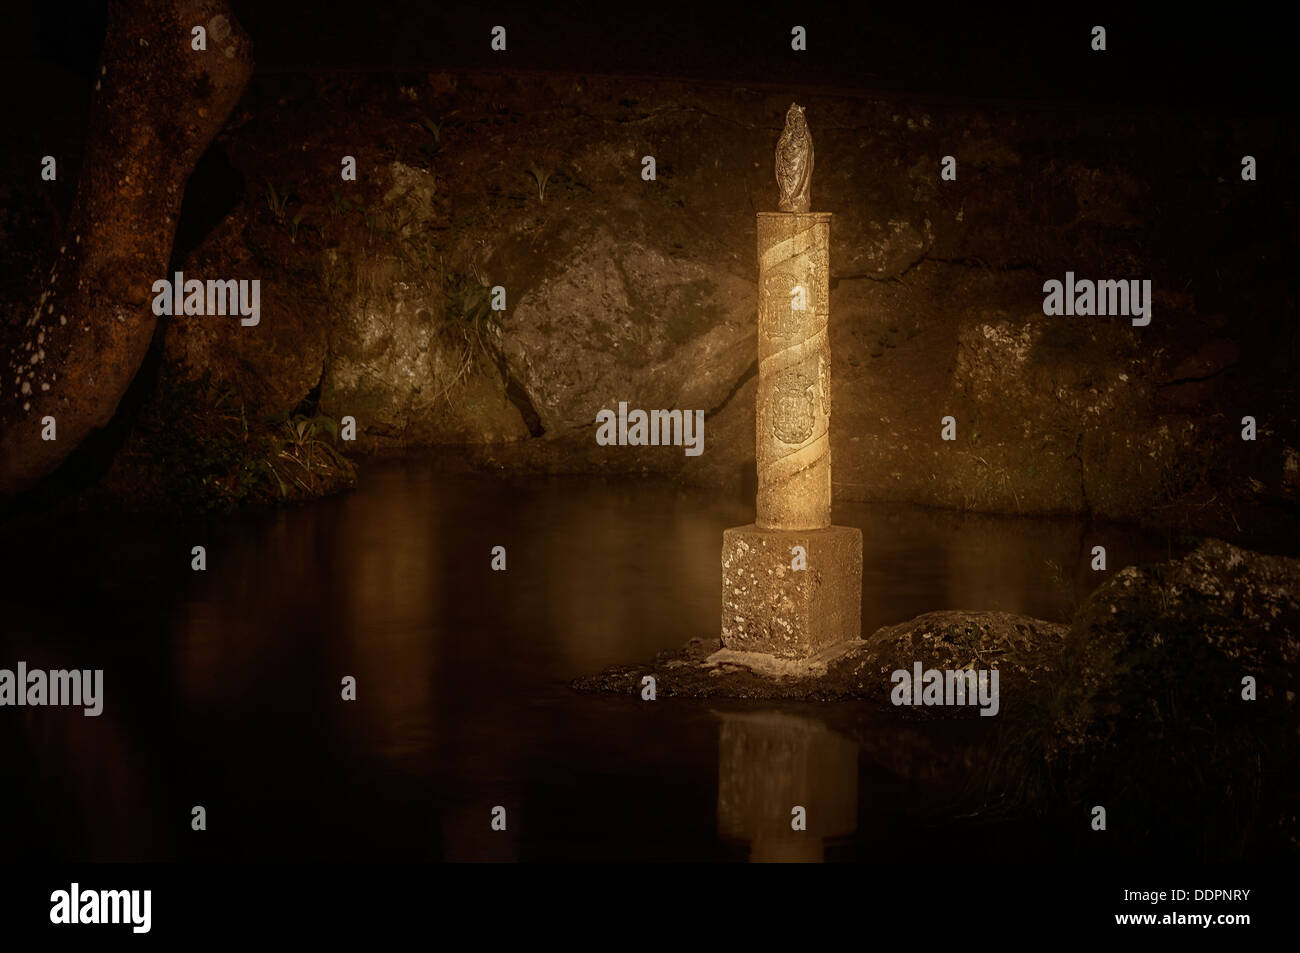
x=793 y=419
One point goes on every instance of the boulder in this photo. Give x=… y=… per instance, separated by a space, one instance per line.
x=1023 y=650
x=617 y=318
x=1149 y=700
x=273 y=365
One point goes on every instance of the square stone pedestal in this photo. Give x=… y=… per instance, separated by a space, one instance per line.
x=768 y=606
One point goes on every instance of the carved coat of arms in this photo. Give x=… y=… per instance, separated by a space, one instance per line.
x=779 y=320
x=794 y=412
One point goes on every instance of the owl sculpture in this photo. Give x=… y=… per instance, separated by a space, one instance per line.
x=794 y=162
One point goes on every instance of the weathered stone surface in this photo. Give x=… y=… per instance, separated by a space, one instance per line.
x=792 y=437
x=272 y=365
x=769 y=607
x=617 y=318
x=400 y=359
x=1151 y=686
x=370 y=325
x=1023 y=650
x=1088 y=416
x=1202 y=622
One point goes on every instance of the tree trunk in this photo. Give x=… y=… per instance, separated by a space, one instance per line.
x=157 y=105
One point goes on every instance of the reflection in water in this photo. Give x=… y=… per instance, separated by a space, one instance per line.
x=222 y=687
x=768 y=764
x=90 y=766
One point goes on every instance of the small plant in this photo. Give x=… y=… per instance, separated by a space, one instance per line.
x=468 y=327
x=542 y=176
x=277 y=198
x=433 y=144
x=302 y=458
x=1061 y=588
x=223 y=458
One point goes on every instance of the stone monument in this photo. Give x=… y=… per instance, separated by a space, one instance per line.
x=792 y=582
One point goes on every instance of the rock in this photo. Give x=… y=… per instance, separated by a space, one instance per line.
x=881 y=249
x=407 y=381
x=410 y=196
x=993 y=355
x=1200 y=623
x=1003 y=360
x=271 y=366
x=1291 y=474
x=405 y=358
x=618 y=319
x=1106 y=196
x=1023 y=649
x=622 y=288
x=1150 y=689
x=370 y=331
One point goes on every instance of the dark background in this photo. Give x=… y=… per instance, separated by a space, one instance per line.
x=1231 y=61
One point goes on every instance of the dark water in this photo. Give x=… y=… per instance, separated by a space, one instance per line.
x=223 y=687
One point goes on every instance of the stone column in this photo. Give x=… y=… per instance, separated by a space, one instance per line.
x=794 y=371
x=792 y=582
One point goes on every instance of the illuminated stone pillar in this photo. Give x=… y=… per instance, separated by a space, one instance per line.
x=792 y=582
x=794 y=371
